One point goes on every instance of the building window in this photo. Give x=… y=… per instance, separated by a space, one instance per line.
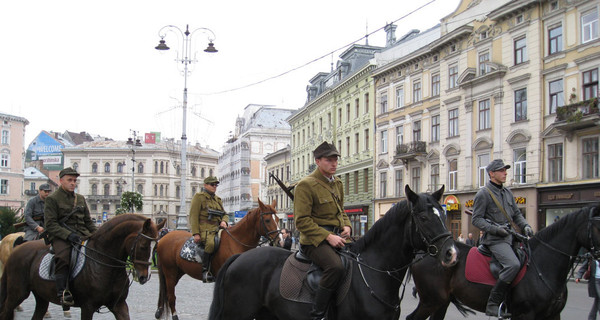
x=416 y=179
x=107 y=167
x=416 y=130
x=347 y=146
x=140 y=189
x=555 y=162
x=416 y=91
x=520 y=50
x=76 y=166
x=339 y=120
x=482 y=176
x=383 y=184
x=452 y=76
x=453 y=122
x=202 y=172
x=120 y=167
x=119 y=189
x=366 y=180
x=355 y=182
x=356 y=143
x=435 y=128
x=356 y=110
x=94 y=189
x=384 y=106
x=483 y=66
x=555 y=40
x=400 y=97
x=366 y=139
x=589 y=26
x=366 y=103
x=94 y=167
x=347 y=115
x=384 y=142
x=557 y=98
x=453 y=175
x=162 y=190
x=590 y=158
x=193 y=172
x=521 y=104
x=590 y=84
x=3 y=186
x=435 y=85
x=435 y=176
x=4 y=160
x=162 y=167
x=156 y=190
x=5 y=136
x=177 y=191
x=106 y=189
x=398 y=183
x=520 y=163
x=399 y=135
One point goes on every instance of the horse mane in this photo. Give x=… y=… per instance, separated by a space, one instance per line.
x=557 y=227
x=110 y=225
x=394 y=216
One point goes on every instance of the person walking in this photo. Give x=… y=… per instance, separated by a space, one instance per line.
x=323 y=224
x=67 y=220
x=470 y=241
x=495 y=212
x=206 y=217
x=286 y=242
x=593 y=276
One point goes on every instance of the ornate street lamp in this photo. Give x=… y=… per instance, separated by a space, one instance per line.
x=185 y=59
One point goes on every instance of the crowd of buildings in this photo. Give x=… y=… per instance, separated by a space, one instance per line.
x=516 y=80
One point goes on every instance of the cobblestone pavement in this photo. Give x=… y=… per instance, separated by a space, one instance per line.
x=194 y=298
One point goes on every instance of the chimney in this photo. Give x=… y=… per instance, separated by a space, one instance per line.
x=390 y=30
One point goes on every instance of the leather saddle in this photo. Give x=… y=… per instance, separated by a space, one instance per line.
x=495 y=266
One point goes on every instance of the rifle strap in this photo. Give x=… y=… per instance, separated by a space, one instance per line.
x=512 y=224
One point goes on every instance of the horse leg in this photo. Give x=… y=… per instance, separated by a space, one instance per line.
x=41 y=306
x=120 y=310
x=171 y=282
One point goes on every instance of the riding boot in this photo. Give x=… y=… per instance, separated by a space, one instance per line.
x=319 y=307
x=206 y=275
x=497 y=295
x=64 y=295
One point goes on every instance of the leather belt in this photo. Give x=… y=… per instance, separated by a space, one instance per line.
x=333 y=229
x=214 y=223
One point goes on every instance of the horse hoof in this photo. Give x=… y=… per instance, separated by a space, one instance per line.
x=67 y=314
x=175 y=317
x=158 y=313
x=47 y=315
x=19 y=308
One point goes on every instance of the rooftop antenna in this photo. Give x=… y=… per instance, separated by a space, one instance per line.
x=367 y=32
x=331 y=62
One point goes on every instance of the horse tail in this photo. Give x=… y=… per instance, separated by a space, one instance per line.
x=461 y=307
x=216 y=307
x=163 y=302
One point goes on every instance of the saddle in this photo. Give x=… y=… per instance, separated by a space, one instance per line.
x=482 y=267
x=47 y=266
x=190 y=251
x=300 y=278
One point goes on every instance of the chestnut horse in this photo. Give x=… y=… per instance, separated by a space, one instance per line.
x=103 y=281
x=243 y=236
x=6 y=247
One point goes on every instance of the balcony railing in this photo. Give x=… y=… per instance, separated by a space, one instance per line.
x=577 y=116
x=409 y=151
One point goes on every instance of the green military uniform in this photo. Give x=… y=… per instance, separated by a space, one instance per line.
x=315 y=206
x=60 y=204
x=201 y=225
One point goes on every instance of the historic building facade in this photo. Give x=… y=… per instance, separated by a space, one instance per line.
x=277 y=164
x=12 y=156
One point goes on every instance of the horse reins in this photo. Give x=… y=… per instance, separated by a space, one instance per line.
x=263 y=226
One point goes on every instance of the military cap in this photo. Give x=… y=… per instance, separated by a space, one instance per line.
x=45 y=186
x=68 y=171
x=325 y=149
x=210 y=180
x=496 y=165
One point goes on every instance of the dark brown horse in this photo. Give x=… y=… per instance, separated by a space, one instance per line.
x=541 y=294
x=103 y=281
x=243 y=236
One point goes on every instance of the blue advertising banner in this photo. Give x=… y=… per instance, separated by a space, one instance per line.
x=47 y=149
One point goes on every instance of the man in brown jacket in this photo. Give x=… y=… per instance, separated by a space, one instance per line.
x=322 y=222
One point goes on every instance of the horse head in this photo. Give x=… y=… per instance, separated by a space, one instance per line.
x=141 y=249
x=592 y=234
x=431 y=234
x=268 y=222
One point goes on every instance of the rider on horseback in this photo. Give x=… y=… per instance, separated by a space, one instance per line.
x=495 y=211
x=205 y=224
x=34 y=215
x=67 y=219
x=318 y=209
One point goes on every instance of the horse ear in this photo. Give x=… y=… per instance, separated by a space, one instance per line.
x=438 y=194
x=260 y=204
x=161 y=224
x=147 y=225
x=274 y=203
x=410 y=195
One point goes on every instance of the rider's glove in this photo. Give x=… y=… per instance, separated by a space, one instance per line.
x=74 y=238
x=528 y=231
x=498 y=231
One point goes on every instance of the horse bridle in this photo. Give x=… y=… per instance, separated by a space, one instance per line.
x=263 y=226
x=432 y=249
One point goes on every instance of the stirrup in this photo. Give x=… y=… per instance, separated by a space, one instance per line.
x=67 y=299
x=207 y=277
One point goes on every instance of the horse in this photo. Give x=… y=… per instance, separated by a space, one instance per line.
x=6 y=248
x=243 y=236
x=252 y=280
x=103 y=281
x=542 y=292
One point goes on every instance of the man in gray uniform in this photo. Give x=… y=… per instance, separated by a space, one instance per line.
x=496 y=222
x=34 y=213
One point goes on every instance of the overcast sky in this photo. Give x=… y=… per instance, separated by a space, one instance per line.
x=91 y=65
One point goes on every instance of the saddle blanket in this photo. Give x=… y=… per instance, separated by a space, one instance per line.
x=477 y=269
x=188 y=251
x=46 y=270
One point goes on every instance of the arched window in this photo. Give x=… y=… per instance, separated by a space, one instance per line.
x=162 y=167
x=162 y=190
x=202 y=173
x=75 y=166
x=107 y=167
x=193 y=171
x=210 y=172
x=106 y=189
x=140 y=168
x=155 y=190
x=177 y=191
x=94 y=167
x=193 y=190
x=140 y=189
x=155 y=166
x=119 y=189
x=120 y=167
x=178 y=170
x=94 y=189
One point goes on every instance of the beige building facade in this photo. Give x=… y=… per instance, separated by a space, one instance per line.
x=12 y=157
x=277 y=164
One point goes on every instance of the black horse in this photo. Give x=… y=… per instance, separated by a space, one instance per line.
x=251 y=280
x=541 y=294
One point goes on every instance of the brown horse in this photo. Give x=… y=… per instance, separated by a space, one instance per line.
x=6 y=247
x=103 y=281
x=243 y=236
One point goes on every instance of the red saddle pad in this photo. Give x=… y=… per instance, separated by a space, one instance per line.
x=477 y=269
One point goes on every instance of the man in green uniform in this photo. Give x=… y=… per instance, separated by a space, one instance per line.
x=322 y=222
x=205 y=224
x=67 y=219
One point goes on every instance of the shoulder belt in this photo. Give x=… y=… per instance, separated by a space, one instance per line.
x=509 y=218
x=335 y=197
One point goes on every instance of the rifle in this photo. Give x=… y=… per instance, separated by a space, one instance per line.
x=286 y=189
x=213 y=212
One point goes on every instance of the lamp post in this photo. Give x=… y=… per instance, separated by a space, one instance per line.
x=186 y=60
x=133 y=143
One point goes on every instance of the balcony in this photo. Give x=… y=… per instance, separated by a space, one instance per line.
x=409 y=151
x=578 y=116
